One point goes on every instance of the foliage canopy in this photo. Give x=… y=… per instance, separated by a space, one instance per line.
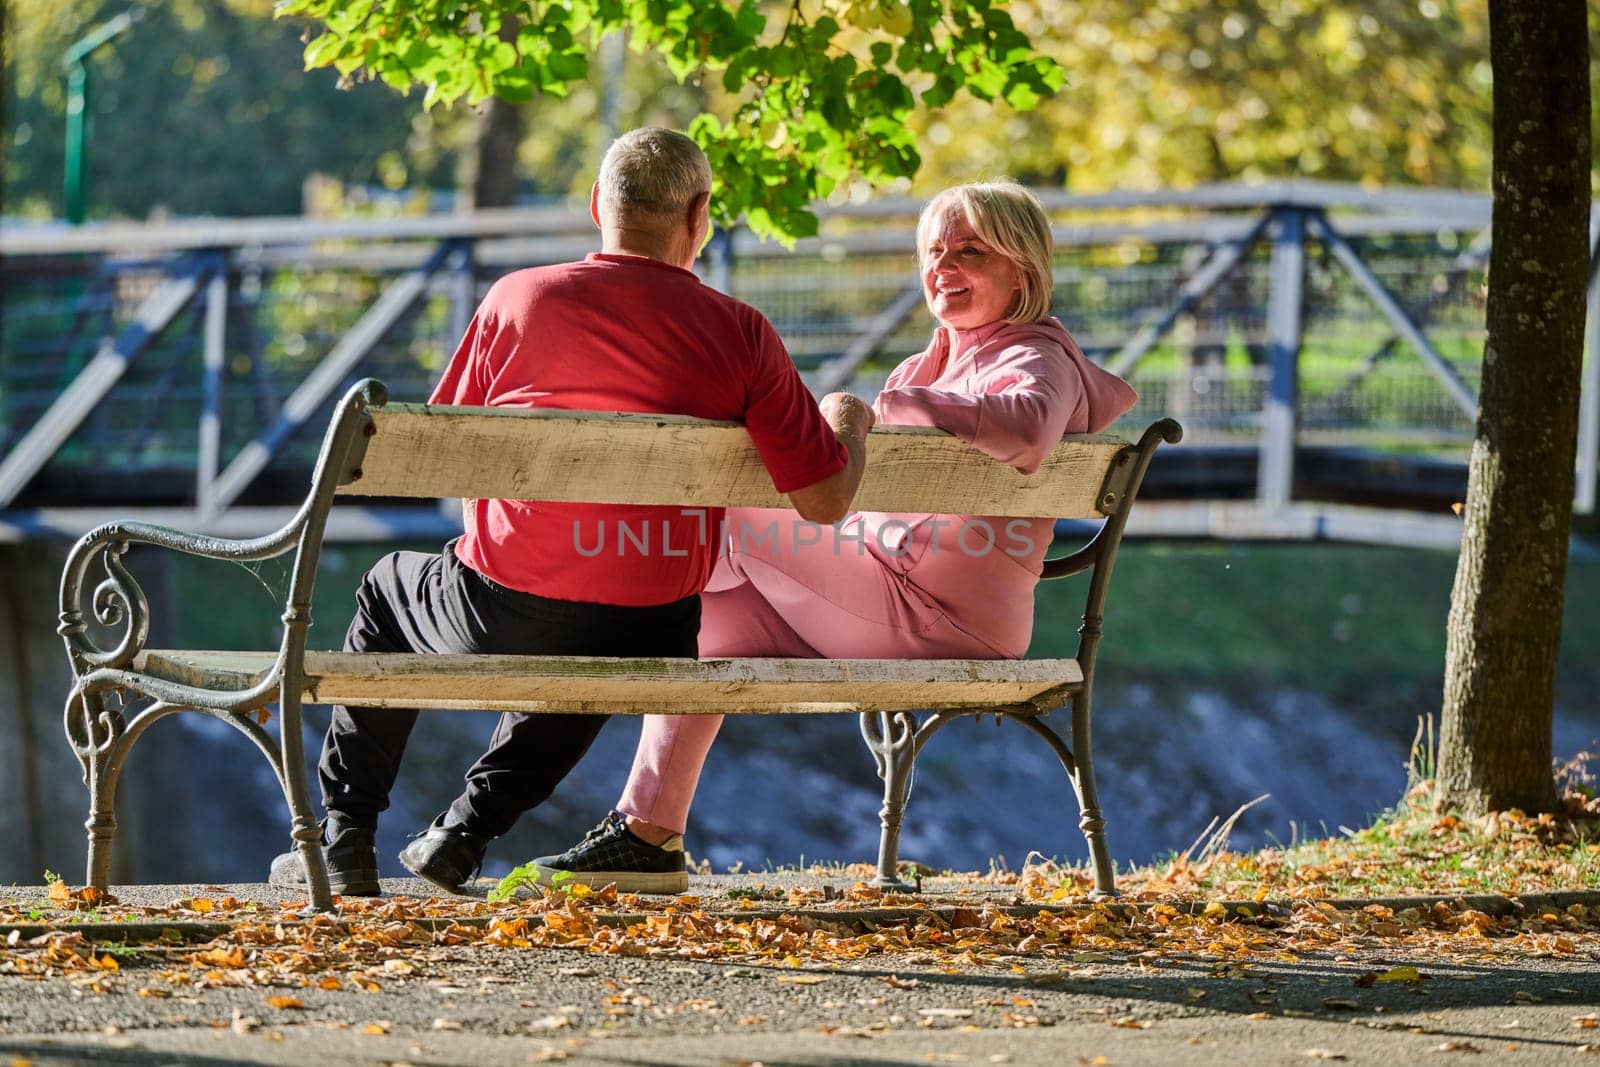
x=817 y=94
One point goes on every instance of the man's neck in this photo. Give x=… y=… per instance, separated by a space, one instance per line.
x=627 y=241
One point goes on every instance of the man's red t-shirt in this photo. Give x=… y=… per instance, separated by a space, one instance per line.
x=625 y=333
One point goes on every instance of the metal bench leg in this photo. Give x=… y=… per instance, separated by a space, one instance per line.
x=102 y=827
x=305 y=831
x=891 y=736
x=93 y=731
x=1092 y=822
x=1081 y=773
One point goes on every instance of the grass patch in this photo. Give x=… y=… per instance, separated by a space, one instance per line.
x=1355 y=623
x=1412 y=850
x=1417 y=848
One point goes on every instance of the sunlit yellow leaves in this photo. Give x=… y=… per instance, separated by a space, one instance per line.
x=1257 y=89
x=230 y=958
x=1400 y=974
x=1233 y=912
x=64 y=896
x=802 y=979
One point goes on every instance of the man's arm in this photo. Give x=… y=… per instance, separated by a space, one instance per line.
x=828 y=501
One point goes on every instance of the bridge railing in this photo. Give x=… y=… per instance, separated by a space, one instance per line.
x=189 y=366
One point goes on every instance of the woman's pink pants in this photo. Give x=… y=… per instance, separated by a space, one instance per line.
x=778 y=594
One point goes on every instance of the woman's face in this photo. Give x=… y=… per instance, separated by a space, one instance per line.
x=966 y=282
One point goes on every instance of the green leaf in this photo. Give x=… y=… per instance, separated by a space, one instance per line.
x=569 y=66
x=749 y=22
x=1022 y=96
x=418 y=54
x=801 y=223
x=941 y=92
x=519 y=877
x=322 y=50
x=515 y=87
x=987 y=81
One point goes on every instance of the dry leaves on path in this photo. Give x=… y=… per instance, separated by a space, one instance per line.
x=371 y=944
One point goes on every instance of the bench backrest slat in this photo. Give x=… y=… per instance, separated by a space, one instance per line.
x=544 y=454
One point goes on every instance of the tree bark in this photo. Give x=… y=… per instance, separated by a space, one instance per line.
x=492 y=177
x=489 y=171
x=1505 y=611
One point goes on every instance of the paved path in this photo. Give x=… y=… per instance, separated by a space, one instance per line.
x=479 y=1005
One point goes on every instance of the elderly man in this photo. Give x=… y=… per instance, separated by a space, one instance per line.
x=630 y=328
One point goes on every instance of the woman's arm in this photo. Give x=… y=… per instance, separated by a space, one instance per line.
x=1031 y=399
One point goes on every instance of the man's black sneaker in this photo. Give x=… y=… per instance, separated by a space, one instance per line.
x=611 y=853
x=447 y=857
x=352 y=858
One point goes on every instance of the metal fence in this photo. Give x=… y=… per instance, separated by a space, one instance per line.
x=190 y=365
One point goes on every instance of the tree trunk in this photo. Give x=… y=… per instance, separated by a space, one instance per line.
x=488 y=176
x=491 y=180
x=1505 y=610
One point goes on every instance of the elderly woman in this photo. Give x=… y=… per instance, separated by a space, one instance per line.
x=1001 y=375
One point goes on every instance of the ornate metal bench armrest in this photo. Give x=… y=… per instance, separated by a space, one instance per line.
x=178 y=694
x=118 y=600
x=1122 y=486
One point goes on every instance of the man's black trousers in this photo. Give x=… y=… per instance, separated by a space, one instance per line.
x=433 y=603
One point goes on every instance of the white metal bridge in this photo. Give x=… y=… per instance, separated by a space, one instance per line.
x=1320 y=343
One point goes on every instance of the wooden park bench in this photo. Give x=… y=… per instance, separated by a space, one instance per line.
x=381 y=449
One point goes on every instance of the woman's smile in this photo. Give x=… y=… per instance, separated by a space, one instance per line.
x=966 y=282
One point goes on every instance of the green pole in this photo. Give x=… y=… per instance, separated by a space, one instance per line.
x=72 y=178
x=73 y=175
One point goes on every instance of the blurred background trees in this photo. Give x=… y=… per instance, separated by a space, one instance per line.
x=1174 y=92
x=203 y=108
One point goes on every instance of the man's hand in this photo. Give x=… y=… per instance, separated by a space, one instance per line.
x=828 y=501
x=848 y=414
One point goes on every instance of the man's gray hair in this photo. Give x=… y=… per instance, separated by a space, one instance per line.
x=652 y=171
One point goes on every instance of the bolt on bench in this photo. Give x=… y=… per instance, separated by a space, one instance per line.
x=375 y=448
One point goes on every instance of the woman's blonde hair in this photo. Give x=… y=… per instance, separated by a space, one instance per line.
x=1009 y=219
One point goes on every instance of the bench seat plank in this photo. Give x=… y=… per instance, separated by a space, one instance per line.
x=603 y=685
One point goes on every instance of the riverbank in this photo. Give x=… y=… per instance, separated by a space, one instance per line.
x=1229 y=672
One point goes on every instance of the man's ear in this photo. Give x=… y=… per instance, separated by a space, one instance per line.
x=594 y=203
x=700 y=218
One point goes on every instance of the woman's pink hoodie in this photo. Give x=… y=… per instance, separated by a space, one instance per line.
x=1011 y=390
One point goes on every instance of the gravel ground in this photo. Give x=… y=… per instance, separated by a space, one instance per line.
x=480 y=1005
